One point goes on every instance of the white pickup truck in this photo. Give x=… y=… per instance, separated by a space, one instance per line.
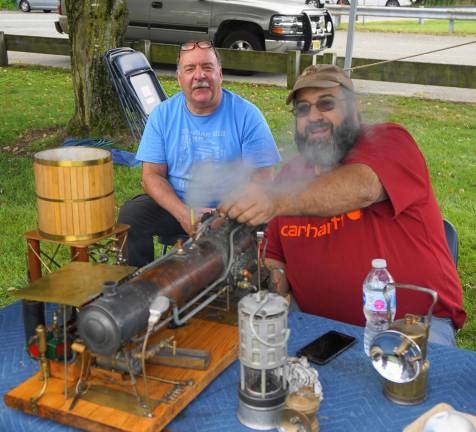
x=264 y=25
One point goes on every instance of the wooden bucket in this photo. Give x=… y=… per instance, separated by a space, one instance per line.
x=75 y=193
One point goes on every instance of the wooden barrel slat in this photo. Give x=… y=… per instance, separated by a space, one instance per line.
x=75 y=196
x=82 y=194
x=87 y=207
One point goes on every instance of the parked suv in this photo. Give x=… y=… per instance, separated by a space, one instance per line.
x=264 y=25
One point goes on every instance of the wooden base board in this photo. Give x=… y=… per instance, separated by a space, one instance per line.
x=220 y=340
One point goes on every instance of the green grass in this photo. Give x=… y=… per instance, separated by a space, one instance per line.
x=8 y=5
x=40 y=99
x=44 y=97
x=436 y=27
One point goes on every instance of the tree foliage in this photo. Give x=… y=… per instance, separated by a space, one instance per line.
x=95 y=26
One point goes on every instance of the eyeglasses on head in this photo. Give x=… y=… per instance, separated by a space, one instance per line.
x=189 y=46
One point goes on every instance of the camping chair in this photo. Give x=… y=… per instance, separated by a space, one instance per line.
x=139 y=92
x=136 y=84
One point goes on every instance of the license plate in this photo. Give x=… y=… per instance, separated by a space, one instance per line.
x=316 y=44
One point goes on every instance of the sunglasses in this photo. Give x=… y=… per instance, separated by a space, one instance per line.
x=302 y=109
x=189 y=46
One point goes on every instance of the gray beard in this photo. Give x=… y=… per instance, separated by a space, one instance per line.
x=328 y=153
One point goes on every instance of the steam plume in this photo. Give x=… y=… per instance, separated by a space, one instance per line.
x=212 y=182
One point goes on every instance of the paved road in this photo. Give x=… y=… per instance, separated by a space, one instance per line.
x=35 y=23
x=366 y=45
x=395 y=45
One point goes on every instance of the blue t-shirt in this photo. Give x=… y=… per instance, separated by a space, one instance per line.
x=236 y=130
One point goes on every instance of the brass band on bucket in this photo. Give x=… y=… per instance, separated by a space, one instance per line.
x=68 y=164
x=75 y=200
x=71 y=238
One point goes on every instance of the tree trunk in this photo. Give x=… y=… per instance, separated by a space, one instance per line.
x=95 y=26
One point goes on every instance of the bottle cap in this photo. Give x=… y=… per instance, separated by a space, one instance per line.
x=379 y=263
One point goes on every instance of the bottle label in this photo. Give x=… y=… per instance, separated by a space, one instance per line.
x=375 y=301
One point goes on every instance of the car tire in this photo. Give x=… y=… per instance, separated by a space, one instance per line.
x=315 y=3
x=392 y=3
x=243 y=41
x=24 y=6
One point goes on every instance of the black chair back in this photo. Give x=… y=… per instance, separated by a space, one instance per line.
x=136 y=84
x=452 y=239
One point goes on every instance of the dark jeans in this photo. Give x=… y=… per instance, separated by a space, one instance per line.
x=146 y=219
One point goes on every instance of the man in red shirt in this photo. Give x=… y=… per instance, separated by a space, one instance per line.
x=355 y=192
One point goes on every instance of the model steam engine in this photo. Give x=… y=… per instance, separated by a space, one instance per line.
x=126 y=334
x=222 y=257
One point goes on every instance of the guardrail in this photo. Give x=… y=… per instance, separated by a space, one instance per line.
x=405 y=12
x=290 y=63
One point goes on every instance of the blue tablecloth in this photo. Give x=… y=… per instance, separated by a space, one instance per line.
x=353 y=398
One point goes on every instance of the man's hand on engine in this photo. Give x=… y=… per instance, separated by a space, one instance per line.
x=254 y=205
x=203 y=211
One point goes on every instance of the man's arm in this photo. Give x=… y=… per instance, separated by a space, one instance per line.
x=277 y=275
x=263 y=175
x=154 y=181
x=343 y=189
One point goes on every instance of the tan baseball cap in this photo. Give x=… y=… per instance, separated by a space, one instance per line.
x=320 y=76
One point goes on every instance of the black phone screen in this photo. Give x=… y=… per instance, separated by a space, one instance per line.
x=326 y=347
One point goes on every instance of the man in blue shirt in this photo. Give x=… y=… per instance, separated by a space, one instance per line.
x=202 y=123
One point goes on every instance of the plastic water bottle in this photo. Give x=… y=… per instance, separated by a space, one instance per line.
x=375 y=303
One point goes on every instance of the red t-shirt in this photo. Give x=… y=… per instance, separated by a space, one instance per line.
x=327 y=258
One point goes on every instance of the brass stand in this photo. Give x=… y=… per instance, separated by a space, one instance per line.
x=81 y=251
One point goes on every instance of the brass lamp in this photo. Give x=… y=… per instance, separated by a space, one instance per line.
x=399 y=354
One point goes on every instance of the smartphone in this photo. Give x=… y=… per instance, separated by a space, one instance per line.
x=326 y=347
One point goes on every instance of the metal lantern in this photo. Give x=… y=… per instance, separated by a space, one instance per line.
x=264 y=335
x=400 y=355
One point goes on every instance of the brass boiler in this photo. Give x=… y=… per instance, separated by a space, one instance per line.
x=412 y=328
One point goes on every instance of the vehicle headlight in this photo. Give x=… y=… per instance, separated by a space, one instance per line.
x=286 y=25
